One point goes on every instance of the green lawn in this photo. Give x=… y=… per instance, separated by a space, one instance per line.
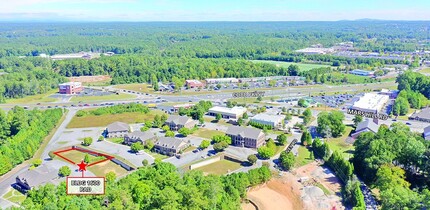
x=339 y=144
x=221 y=122
x=220 y=167
x=104 y=120
x=77 y=156
x=115 y=140
x=39 y=98
x=122 y=96
x=302 y=66
x=156 y=155
x=144 y=88
x=189 y=149
x=406 y=117
x=206 y=133
x=426 y=71
x=14 y=196
x=303 y=157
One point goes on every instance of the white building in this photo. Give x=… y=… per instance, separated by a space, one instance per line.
x=273 y=120
x=221 y=80
x=371 y=102
x=233 y=113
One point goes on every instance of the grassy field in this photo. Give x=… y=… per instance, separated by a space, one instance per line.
x=122 y=96
x=144 y=88
x=302 y=66
x=14 y=196
x=206 y=133
x=324 y=189
x=156 y=155
x=221 y=122
x=77 y=156
x=220 y=167
x=189 y=149
x=99 y=169
x=115 y=140
x=406 y=117
x=39 y=98
x=103 y=168
x=303 y=157
x=426 y=71
x=104 y=120
x=339 y=144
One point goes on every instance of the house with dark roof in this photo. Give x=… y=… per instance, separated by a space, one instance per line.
x=426 y=133
x=117 y=129
x=32 y=178
x=138 y=136
x=367 y=125
x=423 y=115
x=176 y=122
x=246 y=136
x=169 y=145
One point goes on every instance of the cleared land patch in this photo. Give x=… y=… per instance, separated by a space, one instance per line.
x=104 y=120
x=39 y=98
x=220 y=167
x=302 y=66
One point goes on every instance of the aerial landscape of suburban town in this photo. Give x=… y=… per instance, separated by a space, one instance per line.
x=157 y=109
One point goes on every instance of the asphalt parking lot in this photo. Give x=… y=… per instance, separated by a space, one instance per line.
x=333 y=101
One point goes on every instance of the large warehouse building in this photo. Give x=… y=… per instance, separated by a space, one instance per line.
x=273 y=120
x=70 y=88
x=228 y=113
x=371 y=102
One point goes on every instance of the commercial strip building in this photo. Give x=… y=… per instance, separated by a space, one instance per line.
x=228 y=113
x=117 y=129
x=185 y=106
x=194 y=84
x=169 y=145
x=176 y=122
x=371 y=102
x=316 y=50
x=362 y=72
x=138 y=136
x=276 y=121
x=221 y=80
x=390 y=93
x=246 y=136
x=70 y=88
x=423 y=115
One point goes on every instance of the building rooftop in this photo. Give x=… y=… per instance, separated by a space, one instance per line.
x=371 y=101
x=268 y=118
x=169 y=142
x=234 y=110
x=246 y=132
x=427 y=130
x=117 y=126
x=141 y=135
x=424 y=114
x=178 y=120
x=369 y=124
x=72 y=83
x=361 y=71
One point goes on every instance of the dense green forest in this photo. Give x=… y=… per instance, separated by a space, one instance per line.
x=206 y=39
x=22 y=132
x=395 y=161
x=156 y=187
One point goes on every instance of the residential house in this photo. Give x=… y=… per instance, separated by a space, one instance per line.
x=117 y=129
x=367 y=125
x=169 y=145
x=176 y=122
x=423 y=115
x=138 y=136
x=246 y=136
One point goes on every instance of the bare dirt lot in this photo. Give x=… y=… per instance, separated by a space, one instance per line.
x=279 y=193
x=90 y=79
x=321 y=190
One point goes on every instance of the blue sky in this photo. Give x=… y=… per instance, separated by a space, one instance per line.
x=213 y=10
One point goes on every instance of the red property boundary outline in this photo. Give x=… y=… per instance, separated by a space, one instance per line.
x=108 y=157
x=99 y=177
